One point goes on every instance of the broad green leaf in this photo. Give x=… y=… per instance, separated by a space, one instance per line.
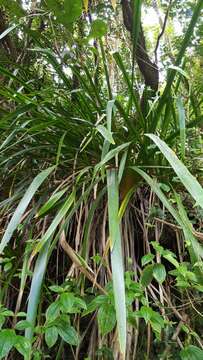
x=98 y=29
x=6 y=312
x=147 y=275
x=53 y=311
x=69 y=335
x=80 y=303
x=171 y=258
x=16 y=218
x=187 y=179
x=157 y=247
x=146 y=259
x=73 y=10
x=67 y=13
x=106 y=318
x=67 y=301
x=56 y=288
x=23 y=346
x=22 y=325
x=22 y=314
x=154 y=318
x=191 y=352
x=159 y=272
x=116 y=256
x=157 y=323
x=7 y=341
x=95 y=303
x=51 y=336
x=145 y=312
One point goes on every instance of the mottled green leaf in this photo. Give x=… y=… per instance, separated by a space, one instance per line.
x=191 y=352
x=7 y=341
x=23 y=346
x=106 y=318
x=69 y=335
x=51 y=336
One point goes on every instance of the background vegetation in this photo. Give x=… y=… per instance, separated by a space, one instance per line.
x=101 y=199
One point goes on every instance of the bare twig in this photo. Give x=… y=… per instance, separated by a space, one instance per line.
x=73 y=256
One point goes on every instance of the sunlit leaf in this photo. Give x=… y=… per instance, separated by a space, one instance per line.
x=114 y=3
x=159 y=272
x=86 y=3
x=147 y=258
x=98 y=29
x=106 y=134
x=181 y=71
x=7 y=341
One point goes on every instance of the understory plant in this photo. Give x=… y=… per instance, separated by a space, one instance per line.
x=101 y=182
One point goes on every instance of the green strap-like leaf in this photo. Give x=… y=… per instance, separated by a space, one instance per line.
x=34 y=295
x=16 y=218
x=110 y=155
x=56 y=221
x=181 y=118
x=116 y=256
x=187 y=179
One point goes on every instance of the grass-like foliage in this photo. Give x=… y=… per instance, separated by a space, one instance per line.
x=101 y=197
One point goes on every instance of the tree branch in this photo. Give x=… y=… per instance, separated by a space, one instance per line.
x=148 y=69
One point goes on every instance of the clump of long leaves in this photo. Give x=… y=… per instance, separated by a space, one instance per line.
x=67 y=234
